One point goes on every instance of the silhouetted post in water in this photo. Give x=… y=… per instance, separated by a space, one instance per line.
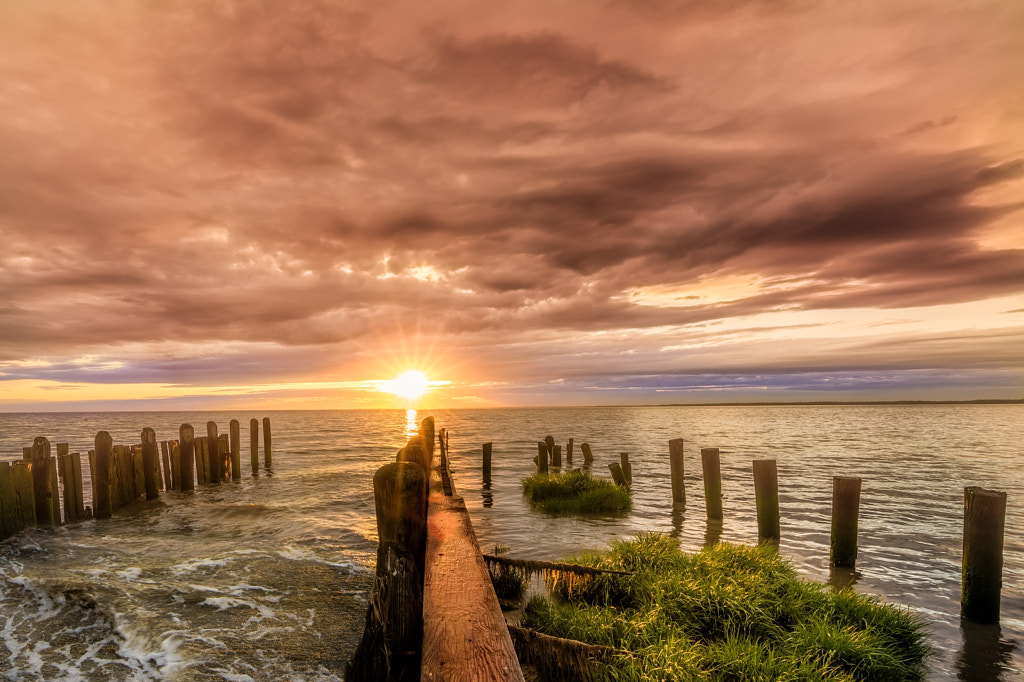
x=627 y=469
x=556 y=456
x=984 y=520
x=213 y=445
x=150 y=464
x=549 y=441
x=101 y=475
x=254 y=445
x=712 y=466
x=236 y=450
x=41 y=486
x=187 y=456
x=675 y=459
x=617 y=476
x=845 y=511
x=766 y=493
x=391 y=642
x=8 y=515
x=21 y=478
x=542 y=457
x=487 y=463
x=588 y=456
x=267 y=456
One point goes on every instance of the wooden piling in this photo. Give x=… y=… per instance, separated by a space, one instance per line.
x=617 y=476
x=254 y=446
x=202 y=460
x=267 y=456
x=428 y=431
x=42 y=488
x=675 y=459
x=25 y=504
x=26 y=453
x=150 y=464
x=8 y=503
x=487 y=463
x=390 y=647
x=165 y=465
x=588 y=456
x=76 y=481
x=55 y=492
x=712 y=467
x=845 y=513
x=542 y=457
x=627 y=469
x=236 y=450
x=766 y=492
x=175 y=453
x=216 y=459
x=568 y=451
x=67 y=489
x=982 y=571
x=101 y=504
x=556 y=456
x=187 y=456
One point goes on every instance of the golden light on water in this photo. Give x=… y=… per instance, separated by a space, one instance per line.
x=412 y=427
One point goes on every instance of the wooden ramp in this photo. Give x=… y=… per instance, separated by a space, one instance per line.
x=465 y=637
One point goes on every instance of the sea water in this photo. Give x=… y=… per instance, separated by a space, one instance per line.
x=268 y=578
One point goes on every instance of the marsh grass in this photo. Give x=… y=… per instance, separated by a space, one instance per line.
x=726 y=613
x=575 y=492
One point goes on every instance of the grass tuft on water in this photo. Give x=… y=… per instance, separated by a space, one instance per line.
x=727 y=612
x=575 y=492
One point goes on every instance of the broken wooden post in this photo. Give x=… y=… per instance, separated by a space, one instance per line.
x=627 y=469
x=766 y=493
x=42 y=488
x=213 y=453
x=617 y=477
x=390 y=646
x=588 y=456
x=556 y=456
x=568 y=451
x=101 y=475
x=487 y=463
x=542 y=457
x=712 y=467
x=236 y=450
x=845 y=512
x=150 y=464
x=187 y=456
x=267 y=456
x=224 y=446
x=982 y=573
x=675 y=459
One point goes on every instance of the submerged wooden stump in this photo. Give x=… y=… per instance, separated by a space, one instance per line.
x=675 y=458
x=588 y=456
x=766 y=493
x=254 y=446
x=982 y=577
x=845 y=513
x=236 y=450
x=712 y=467
x=214 y=454
x=487 y=463
x=187 y=456
x=150 y=464
x=268 y=458
x=41 y=483
x=101 y=476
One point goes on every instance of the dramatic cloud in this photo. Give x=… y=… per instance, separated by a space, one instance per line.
x=653 y=201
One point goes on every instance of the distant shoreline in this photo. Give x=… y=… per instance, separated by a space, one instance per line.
x=987 y=401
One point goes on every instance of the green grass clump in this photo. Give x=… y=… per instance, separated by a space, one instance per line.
x=727 y=612
x=576 y=492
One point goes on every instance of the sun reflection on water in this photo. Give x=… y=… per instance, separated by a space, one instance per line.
x=412 y=427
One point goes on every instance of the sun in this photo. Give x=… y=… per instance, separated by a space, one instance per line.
x=411 y=385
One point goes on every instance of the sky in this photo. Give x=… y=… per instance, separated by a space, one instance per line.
x=281 y=205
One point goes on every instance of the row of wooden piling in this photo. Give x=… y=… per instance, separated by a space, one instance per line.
x=984 y=516
x=32 y=489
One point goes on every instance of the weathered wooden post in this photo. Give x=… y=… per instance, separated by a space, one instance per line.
x=556 y=456
x=568 y=451
x=712 y=467
x=389 y=649
x=215 y=455
x=427 y=430
x=542 y=457
x=41 y=485
x=150 y=464
x=487 y=463
x=766 y=493
x=101 y=475
x=187 y=456
x=617 y=477
x=165 y=461
x=627 y=469
x=675 y=458
x=845 y=513
x=588 y=456
x=236 y=450
x=254 y=445
x=21 y=478
x=8 y=503
x=76 y=474
x=267 y=454
x=982 y=577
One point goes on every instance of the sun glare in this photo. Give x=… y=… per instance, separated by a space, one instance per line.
x=410 y=385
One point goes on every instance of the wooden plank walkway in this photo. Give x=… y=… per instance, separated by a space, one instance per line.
x=465 y=637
